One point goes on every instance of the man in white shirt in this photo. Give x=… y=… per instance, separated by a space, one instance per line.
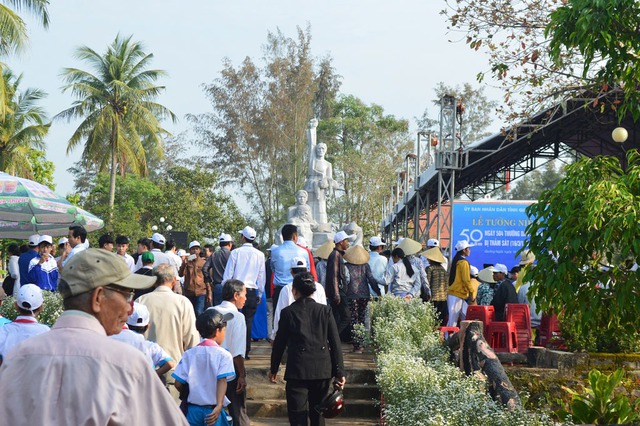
x=122 y=245
x=297 y=266
x=234 y=296
x=77 y=238
x=377 y=262
x=247 y=264
x=157 y=246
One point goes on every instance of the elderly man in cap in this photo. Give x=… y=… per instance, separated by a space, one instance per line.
x=247 y=264
x=377 y=262
x=75 y=374
x=505 y=290
x=195 y=287
x=25 y=258
x=43 y=269
x=336 y=284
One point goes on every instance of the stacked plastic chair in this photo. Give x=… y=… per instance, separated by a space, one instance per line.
x=502 y=336
x=520 y=315
x=549 y=334
x=486 y=314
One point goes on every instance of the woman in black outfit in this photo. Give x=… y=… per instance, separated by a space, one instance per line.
x=314 y=354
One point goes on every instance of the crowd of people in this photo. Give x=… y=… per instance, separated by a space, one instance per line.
x=190 y=317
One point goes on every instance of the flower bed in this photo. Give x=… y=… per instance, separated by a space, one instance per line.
x=419 y=384
x=51 y=308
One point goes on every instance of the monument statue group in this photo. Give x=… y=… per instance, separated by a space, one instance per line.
x=310 y=212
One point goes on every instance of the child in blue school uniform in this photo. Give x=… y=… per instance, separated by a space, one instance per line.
x=206 y=369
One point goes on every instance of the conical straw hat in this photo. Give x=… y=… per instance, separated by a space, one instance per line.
x=324 y=250
x=434 y=254
x=410 y=246
x=486 y=275
x=356 y=255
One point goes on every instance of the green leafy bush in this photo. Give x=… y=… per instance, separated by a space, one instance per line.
x=607 y=335
x=599 y=405
x=420 y=386
x=51 y=310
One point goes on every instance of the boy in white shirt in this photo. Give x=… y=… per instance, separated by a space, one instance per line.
x=29 y=305
x=132 y=334
x=198 y=368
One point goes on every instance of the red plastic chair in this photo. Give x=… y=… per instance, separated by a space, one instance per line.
x=445 y=330
x=486 y=314
x=549 y=332
x=502 y=336
x=520 y=315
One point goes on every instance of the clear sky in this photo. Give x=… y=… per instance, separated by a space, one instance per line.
x=389 y=53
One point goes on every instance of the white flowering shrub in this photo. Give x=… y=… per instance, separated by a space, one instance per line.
x=420 y=386
x=51 y=308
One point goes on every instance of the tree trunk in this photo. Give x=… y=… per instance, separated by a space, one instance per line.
x=112 y=176
x=476 y=354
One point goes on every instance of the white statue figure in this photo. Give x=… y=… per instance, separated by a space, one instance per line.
x=320 y=179
x=301 y=215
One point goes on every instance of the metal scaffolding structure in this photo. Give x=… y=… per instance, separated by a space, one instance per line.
x=420 y=205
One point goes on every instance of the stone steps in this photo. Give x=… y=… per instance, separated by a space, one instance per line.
x=266 y=401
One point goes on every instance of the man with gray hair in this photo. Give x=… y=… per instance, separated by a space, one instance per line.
x=173 y=322
x=74 y=374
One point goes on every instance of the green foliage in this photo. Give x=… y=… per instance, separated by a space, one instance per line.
x=118 y=108
x=23 y=129
x=608 y=335
x=256 y=132
x=584 y=235
x=51 y=308
x=419 y=385
x=605 y=34
x=599 y=405
x=42 y=169
x=190 y=199
x=366 y=147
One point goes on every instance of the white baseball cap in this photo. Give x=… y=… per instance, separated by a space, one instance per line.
x=499 y=267
x=45 y=239
x=249 y=233
x=462 y=244
x=139 y=316
x=181 y=252
x=432 y=242
x=63 y=240
x=225 y=238
x=193 y=244
x=473 y=270
x=395 y=243
x=34 y=240
x=29 y=297
x=376 y=242
x=158 y=238
x=299 y=262
x=341 y=236
x=302 y=242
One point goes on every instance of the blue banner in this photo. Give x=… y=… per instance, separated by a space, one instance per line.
x=496 y=229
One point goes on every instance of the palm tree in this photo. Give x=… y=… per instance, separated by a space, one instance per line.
x=118 y=109
x=23 y=128
x=13 y=33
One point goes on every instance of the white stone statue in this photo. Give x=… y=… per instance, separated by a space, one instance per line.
x=320 y=180
x=301 y=215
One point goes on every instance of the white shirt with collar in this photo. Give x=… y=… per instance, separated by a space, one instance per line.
x=18 y=331
x=235 y=339
x=286 y=299
x=128 y=259
x=77 y=249
x=246 y=264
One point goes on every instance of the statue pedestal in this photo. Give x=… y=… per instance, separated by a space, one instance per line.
x=319 y=238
